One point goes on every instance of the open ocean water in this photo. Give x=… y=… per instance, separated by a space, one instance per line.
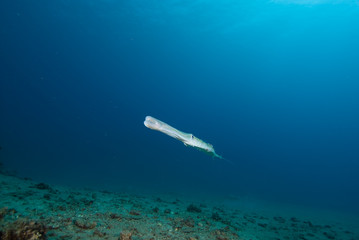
x=272 y=84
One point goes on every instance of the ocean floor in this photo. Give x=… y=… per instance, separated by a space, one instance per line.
x=33 y=210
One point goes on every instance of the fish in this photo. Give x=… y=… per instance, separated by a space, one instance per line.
x=187 y=138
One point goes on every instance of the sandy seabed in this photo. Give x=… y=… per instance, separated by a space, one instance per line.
x=33 y=210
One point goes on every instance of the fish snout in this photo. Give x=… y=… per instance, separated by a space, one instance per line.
x=151 y=122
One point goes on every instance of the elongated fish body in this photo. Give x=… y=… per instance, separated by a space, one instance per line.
x=187 y=138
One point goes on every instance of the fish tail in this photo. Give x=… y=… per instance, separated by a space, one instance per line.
x=222 y=158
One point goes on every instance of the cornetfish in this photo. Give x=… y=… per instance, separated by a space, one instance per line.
x=187 y=138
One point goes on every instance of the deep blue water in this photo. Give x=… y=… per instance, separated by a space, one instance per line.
x=273 y=85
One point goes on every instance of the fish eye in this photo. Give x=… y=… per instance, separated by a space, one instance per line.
x=192 y=136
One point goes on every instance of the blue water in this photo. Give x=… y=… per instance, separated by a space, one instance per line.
x=273 y=85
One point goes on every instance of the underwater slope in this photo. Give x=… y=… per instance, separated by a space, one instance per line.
x=39 y=211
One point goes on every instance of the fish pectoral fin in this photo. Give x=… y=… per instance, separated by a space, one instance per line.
x=185 y=144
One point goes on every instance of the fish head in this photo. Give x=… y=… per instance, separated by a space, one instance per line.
x=152 y=123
